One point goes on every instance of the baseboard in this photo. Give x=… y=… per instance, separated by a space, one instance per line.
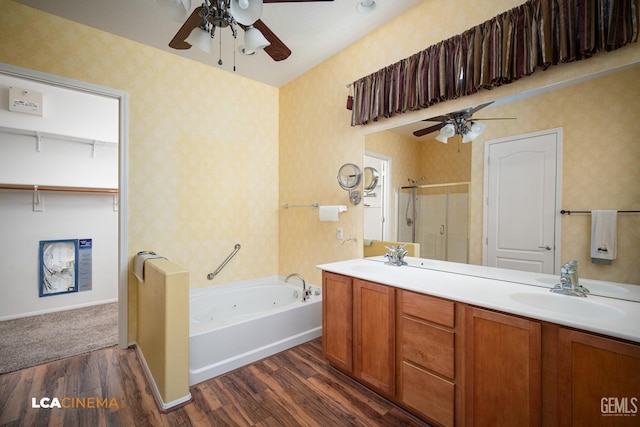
x=162 y=406
x=56 y=309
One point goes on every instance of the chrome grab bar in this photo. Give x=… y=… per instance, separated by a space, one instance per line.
x=236 y=248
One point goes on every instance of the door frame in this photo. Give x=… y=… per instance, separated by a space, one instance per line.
x=123 y=112
x=558 y=186
x=386 y=189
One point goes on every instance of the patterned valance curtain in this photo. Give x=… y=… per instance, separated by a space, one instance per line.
x=535 y=35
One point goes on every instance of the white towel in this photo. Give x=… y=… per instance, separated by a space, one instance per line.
x=603 y=236
x=138 y=263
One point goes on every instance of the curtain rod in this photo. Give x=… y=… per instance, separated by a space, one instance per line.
x=53 y=188
x=588 y=212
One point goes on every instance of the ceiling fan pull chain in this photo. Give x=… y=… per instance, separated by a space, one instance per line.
x=220 y=53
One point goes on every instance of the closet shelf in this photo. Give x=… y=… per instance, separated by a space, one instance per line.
x=58 y=188
x=39 y=135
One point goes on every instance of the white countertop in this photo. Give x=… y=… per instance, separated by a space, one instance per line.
x=516 y=292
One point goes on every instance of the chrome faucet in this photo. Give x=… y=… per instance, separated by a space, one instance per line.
x=305 y=293
x=569 y=283
x=396 y=255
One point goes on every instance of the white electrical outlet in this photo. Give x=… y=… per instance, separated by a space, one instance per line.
x=340 y=234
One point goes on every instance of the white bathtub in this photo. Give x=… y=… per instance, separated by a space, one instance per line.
x=238 y=323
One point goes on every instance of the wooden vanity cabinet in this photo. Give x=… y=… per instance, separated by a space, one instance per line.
x=503 y=363
x=358 y=335
x=337 y=320
x=453 y=364
x=374 y=335
x=429 y=380
x=598 y=380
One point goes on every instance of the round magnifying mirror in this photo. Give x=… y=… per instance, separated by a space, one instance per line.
x=370 y=178
x=349 y=176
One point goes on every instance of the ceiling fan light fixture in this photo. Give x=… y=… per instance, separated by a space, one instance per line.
x=254 y=40
x=440 y=137
x=177 y=10
x=476 y=130
x=246 y=12
x=366 y=6
x=201 y=39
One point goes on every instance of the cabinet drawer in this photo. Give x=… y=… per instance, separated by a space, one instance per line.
x=428 y=346
x=432 y=309
x=428 y=394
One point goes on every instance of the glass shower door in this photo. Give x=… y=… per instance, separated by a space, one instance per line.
x=436 y=217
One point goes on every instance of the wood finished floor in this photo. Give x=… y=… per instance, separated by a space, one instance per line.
x=293 y=388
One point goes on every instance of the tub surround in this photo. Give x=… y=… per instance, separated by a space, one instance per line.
x=163 y=331
x=503 y=290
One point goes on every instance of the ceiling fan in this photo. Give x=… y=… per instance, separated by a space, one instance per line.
x=228 y=13
x=458 y=123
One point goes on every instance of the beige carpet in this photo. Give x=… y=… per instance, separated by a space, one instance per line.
x=34 y=340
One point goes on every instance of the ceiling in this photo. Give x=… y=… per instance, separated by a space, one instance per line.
x=314 y=31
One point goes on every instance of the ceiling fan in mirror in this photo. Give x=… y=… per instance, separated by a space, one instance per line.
x=200 y=25
x=458 y=123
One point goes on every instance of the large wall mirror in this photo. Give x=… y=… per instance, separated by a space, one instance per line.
x=435 y=191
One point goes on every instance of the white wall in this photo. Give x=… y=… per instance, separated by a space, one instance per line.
x=61 y=162
x=64 y=215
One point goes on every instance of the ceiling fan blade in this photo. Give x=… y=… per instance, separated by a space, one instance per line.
x=479 y=107
x=437 y=119
x=428 y=130
x=496 y=118
x=277 y=49
x=193 y=21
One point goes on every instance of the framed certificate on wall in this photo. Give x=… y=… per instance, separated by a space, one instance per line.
x=58 y=267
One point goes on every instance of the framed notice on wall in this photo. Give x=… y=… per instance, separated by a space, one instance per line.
x=58 y=267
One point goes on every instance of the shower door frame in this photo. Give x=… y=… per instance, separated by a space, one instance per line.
x=417 y=187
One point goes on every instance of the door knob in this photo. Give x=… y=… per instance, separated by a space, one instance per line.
x=547 y=248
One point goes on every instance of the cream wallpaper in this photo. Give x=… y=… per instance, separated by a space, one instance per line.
x=406 y=163
x=201 y=180
x=600 y=168
x=315 y=136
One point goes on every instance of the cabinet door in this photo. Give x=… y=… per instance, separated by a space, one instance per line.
x=503 y=368
x=337 y=323
x=599 y=380
x=374 y=323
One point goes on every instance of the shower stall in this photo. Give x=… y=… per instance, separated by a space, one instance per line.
x=437 y=217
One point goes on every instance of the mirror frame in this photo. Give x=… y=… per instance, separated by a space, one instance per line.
x=370 y=184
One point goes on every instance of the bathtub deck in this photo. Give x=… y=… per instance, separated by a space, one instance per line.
x=292 y=388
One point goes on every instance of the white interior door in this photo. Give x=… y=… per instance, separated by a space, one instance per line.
x=376 y=202
x=522 y=186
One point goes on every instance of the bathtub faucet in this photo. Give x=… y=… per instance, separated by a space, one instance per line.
x=305 y=293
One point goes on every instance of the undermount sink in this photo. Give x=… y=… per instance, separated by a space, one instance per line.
x=594 y=287
x=565 y=304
